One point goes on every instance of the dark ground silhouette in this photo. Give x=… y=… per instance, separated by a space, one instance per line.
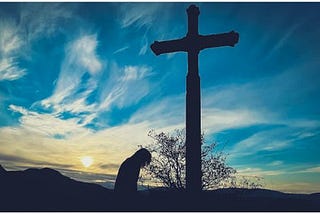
x=48 y=190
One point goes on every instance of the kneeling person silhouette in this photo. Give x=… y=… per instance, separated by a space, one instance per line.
x=128 y=174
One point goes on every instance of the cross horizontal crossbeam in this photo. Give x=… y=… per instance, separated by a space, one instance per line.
x=195 y=43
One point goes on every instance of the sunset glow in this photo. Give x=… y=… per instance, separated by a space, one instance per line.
x=86 y=161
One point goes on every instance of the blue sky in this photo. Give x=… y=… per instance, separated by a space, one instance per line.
x=79 y=79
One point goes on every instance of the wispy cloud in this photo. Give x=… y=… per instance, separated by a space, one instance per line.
x=99 y=178
x=9 y=40
x=149 y=18
x=42 y=19
x=311 y=170
x=259 y=172
x=126 y=86
x=275 y=139
x=120 y=50
x=145 y=45
x=288 y=32
x=163 y=114
x=270 y=95
x=82 y=52
x=18 y=160
x=84 y=73
x=36 y=20
x=140 y=14
x=10 y=43
x=72 y=87
x=295 y=187
x=266 y=101
x=276 y=163
x=270 y=140
x=10 y=70
x=215 y=119
x=48 y=124
x=166 y=113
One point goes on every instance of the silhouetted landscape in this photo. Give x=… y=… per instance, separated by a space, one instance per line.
x=48 y=190
x=81 y=83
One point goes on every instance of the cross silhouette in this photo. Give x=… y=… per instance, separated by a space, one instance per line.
x=193 y=43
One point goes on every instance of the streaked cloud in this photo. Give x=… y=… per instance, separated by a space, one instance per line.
x=10 y=70
x=10 y=40
x=163 y=114
x=10 y=44
x=312 y=170
x=215 y=119
x=270 y=140
x=275 y=163
x=121 y=49
x=296 y=187
x=48 y=124
x=42 y=19
x=267 y=93
x=82 y=52
x=36 y=20
x=140 y=14
x=259 y=172
x=80 y=59
x=125 y=86
x=27 y=162
x=151 y=18
x=288 y=33
x=144 y=46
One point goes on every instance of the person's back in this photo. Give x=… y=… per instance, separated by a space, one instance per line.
x=127 y=177
x=128 y=174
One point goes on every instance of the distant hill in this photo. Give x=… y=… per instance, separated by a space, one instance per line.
x=2 y=170
x=48 y=190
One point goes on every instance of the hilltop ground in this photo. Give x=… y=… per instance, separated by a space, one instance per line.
x=48 y=190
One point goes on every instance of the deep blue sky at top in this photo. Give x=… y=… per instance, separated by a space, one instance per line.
x=259 y=99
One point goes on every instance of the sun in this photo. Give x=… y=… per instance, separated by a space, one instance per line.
x=86 y=161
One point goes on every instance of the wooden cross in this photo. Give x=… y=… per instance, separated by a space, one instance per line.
x=193 y=43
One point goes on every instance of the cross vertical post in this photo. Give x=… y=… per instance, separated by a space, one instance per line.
x=193 y=43
x=193 y=110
